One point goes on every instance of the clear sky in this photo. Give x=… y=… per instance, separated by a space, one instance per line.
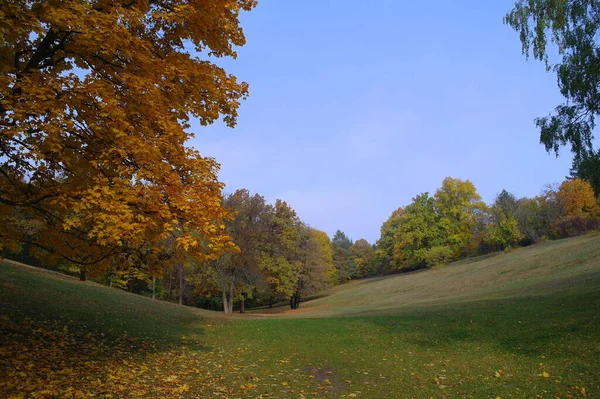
x=356 y=106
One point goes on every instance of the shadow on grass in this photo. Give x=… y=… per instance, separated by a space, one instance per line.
x=87 y=308
x=63 y=338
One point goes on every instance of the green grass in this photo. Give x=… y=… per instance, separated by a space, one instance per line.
x=549 y=267
x=520 y=325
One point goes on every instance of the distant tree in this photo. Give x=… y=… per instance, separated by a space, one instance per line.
x=575 y=196
x=506 y=204
x=432 y=231
x=342 y=259
x=280 y=256
x=419 y=240
x=385 y=244
x=580 y=212
x=531 y=219
x=364 y=257
x=537 y=215
x=248 y=229
x=573 y=25
x=458 y=205
x=587 y=167
x=504 y=231
x=317 y=271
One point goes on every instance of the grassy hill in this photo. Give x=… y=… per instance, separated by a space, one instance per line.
x=547 y=268
x=520 y=325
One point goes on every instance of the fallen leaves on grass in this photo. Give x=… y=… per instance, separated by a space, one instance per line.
x=47 y=359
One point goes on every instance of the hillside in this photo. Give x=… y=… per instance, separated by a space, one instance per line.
x=518 y=325
x=546 y=268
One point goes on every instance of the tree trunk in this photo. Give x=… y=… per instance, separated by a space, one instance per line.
x=153 y=287
x=225 y=303
x=231 y=297
x=82 y=274
x=170 y=283
x=181 y=283
x=243 y=305
x=295 y=301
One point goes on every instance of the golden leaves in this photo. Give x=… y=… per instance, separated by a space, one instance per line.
x=47 y=359
x=104 y=148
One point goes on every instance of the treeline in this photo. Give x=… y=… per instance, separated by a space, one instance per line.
x=277 y=258
x=455 y=223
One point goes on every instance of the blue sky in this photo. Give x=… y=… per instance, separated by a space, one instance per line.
x=356 y=106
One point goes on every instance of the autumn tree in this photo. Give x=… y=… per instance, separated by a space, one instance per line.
x=418 y=240
x=458 y=205
x=364 y=257
x=95 y=103
x=249 y=231
x=579 y=210
x=385 y=244
x=503 y=231
x=342 y=259
x=432 y=231
x=575 y=196
x=573 y=27
x=531 y=219
x=281 y=258
x=317 y=271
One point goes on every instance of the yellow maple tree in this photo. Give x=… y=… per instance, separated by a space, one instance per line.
x=95 y=103
x=575 y=196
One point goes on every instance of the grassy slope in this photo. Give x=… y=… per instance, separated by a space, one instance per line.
x=513 y=325
x=546 y=268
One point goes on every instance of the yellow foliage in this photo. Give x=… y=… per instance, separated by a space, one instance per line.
x=96 y=102
x=575 y=196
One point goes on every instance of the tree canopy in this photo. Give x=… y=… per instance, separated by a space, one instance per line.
x=96 y=99
x=571 y=27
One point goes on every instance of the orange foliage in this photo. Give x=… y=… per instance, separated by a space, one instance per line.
x=96 y=98
x=575 y=196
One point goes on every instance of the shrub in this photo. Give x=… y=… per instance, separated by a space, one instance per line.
x=571 y=226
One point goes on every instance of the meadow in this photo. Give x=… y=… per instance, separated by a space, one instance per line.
x=524 y=324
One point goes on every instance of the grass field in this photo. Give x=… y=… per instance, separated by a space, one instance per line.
x=520 y=325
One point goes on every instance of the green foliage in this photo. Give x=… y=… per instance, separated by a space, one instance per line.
x=432 y=231
x=505 y=204
x=532 y=222
x=385 y=244
x=504 y=326
x=364 y=257
x=587 y=167
x=573 y=25
x=458 y=205
x=504 y=231
x=342 y=258
x=437 y=256
x=280 y=250
x=417 y=232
